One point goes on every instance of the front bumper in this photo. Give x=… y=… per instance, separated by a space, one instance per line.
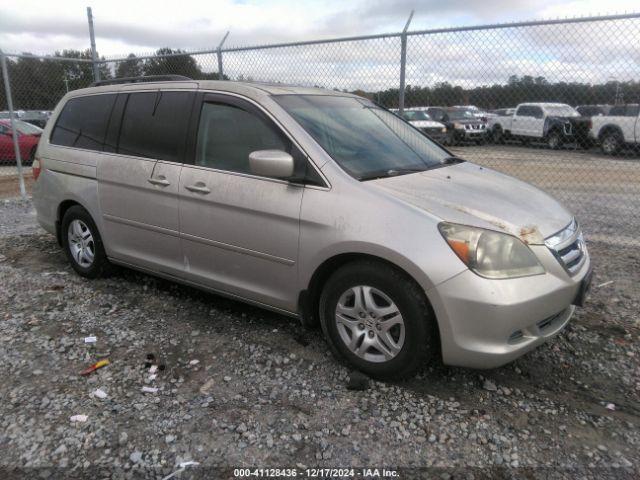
x=487 y=323
x=470 y=135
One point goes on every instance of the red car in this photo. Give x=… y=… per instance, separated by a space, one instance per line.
x=28 y=138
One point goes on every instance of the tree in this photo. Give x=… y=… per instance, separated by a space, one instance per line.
x=172 y=62
x=131 y=67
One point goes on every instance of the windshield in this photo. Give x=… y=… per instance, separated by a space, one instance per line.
x=460 y=114
x=26 y=128
x=561 y=111
x=415 y=115
x=365 y=140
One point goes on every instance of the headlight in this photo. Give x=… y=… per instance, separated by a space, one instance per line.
x=491 y=254
x=458 y=126
x=444 y=129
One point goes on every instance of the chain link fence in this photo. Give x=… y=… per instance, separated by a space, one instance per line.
x=555 y=103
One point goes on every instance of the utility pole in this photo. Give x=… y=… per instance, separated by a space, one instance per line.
x=220 y=72
x=403 y=63
x=94 y=53
x=14 y=131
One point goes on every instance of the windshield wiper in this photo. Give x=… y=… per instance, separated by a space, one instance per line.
x=452 y=160
x=390 y=172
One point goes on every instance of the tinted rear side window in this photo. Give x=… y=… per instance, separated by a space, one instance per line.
x=154 y=125
x=83 y=122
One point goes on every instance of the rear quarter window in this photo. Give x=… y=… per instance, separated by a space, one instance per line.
x=83 y=122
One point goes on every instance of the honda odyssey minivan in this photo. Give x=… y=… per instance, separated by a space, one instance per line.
x=316 y=204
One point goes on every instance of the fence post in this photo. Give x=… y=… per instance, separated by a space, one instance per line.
x=220 y=71
x=403 y=63
x=16 y=147
x=94 y=54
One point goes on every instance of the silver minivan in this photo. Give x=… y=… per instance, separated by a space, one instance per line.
x=316 y=204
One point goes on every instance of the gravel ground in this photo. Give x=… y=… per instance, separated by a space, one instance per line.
x=246 y=387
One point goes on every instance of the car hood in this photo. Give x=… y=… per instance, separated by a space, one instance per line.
x=426 y=124
x=472 y=195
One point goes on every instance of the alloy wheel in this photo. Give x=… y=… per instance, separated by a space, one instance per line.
x=610 y=144
x=554 y=141
x=81 y=244
x=370 y=324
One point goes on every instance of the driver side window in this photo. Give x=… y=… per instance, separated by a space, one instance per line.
x=228 y=134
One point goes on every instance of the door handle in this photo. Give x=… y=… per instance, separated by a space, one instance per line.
x=161 y=181
x=198 y=188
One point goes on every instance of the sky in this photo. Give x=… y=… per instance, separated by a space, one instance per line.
x=586 y=53
x=124 y=26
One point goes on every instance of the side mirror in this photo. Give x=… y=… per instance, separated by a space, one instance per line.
x=271 y=163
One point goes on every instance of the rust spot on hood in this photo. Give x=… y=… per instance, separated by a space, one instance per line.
x=530 y=234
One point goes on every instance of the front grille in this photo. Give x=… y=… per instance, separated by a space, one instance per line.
x=568 y=247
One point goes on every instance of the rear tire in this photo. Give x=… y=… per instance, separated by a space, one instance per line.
x=378 y=320
x=611 y=143
x=83 y=245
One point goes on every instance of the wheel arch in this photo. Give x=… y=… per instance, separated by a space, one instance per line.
x=609 y=128
x=61 y=210
x=308 y=299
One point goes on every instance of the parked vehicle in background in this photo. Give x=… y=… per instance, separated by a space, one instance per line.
x=593 y=110
x=620 y=128
x=553 y=123
x=423 y=122
x=462 y=124
x=6 y=114
x=500 y=117
x=28 y=138
x=502 y=112
x=477 y=112
x=39 y=118
x=319 y=205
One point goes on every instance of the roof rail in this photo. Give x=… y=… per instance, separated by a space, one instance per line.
x=147 y=78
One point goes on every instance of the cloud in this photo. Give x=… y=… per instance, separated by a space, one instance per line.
x=590 y=52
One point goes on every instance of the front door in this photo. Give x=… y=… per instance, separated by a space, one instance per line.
x=239 y=231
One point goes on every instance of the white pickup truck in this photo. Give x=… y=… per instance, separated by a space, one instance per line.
x=553 y=123
x=619 y=128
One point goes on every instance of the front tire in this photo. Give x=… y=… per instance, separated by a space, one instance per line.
x=378 y=320
x=497 y=136
x=554 y=140
x=83 y=245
